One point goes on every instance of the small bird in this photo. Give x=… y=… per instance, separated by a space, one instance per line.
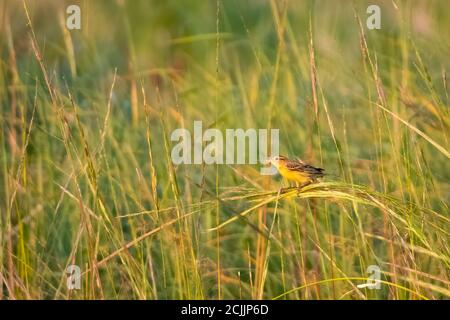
x=296 y=170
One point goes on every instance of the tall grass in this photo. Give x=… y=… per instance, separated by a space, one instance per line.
x=86 y=174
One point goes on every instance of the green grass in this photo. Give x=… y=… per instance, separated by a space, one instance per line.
x=86 y=176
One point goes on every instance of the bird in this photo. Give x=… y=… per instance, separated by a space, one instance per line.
x=297 y=170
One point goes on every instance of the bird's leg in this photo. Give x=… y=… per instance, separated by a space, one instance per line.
x=284 y=189
x=304 y=184
x=290 y=187
x=300 y=186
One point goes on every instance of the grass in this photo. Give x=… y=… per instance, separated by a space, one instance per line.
x=86 y=176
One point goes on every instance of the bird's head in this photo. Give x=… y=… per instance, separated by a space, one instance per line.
x=276 y=161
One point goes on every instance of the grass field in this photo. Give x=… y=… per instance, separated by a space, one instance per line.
x=86 y=176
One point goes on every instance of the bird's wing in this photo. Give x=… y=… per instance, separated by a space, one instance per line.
x=313 y=170
x=295 y=165
x=298 y=165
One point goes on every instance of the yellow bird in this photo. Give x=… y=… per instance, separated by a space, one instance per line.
x=296 y=170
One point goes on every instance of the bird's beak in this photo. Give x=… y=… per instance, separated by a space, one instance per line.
x=272 y=161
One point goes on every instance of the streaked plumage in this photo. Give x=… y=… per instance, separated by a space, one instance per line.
x=296 y=170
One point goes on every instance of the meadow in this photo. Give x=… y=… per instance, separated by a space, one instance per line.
x=87 y=179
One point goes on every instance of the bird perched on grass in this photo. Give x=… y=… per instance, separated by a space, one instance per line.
x=296 y=170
